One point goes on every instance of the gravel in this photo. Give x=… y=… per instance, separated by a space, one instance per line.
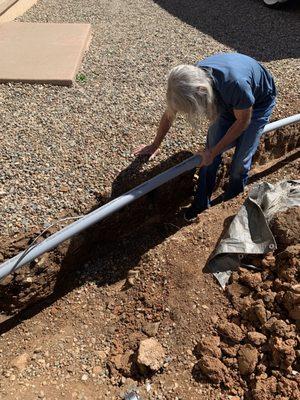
x=62 y=146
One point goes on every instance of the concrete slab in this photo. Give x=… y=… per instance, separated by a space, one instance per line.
x=5 y=5
x=42 y=53
x=11 y=9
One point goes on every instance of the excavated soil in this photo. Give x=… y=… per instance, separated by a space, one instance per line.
x=256 y=347
x=79 y=320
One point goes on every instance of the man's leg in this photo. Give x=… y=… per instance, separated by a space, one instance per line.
x=246 y=146
x=207 y=175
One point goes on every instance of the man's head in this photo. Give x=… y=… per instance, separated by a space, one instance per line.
x=190 y=92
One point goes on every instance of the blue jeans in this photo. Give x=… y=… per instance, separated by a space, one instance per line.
x=245 y=147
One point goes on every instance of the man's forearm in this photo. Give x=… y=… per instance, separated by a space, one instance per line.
x=164 y=126
x=232 y=134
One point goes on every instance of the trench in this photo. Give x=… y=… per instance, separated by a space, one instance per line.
x=121 y=240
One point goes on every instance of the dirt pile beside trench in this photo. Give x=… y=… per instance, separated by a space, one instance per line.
x=255 y=352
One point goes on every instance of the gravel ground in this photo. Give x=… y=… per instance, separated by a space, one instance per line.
x=60 y=146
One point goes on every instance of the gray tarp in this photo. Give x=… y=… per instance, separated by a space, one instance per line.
x=249 y=232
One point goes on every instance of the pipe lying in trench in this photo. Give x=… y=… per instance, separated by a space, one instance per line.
x=99 y=214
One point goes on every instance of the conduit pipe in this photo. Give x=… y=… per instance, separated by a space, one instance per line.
x=115 y=205
x=95 y=216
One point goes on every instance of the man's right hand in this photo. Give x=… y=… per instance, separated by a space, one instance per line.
x=146 y=150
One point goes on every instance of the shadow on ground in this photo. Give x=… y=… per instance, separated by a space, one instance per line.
x=247 y=26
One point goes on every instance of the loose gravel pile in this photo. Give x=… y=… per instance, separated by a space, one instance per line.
x=62 y=146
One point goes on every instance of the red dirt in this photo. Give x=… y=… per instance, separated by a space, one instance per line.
x=83 y=340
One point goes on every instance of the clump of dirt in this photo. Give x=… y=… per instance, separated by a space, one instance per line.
x=285 y=226
x=257 y=345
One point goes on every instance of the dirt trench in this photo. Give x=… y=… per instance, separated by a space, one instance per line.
x=54 y=273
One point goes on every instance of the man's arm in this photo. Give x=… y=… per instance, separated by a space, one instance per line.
x=243 y=118
x=163 y=128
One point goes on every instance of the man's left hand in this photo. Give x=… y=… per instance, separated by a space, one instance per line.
x=206 y=158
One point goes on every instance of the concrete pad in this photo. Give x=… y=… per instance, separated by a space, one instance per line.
x=5 y=5
x=11 y=9
x=42 y=53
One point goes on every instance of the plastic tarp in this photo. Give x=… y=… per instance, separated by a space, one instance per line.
x=249 y=232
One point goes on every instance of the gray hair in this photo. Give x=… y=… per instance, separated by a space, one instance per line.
x=190 y=92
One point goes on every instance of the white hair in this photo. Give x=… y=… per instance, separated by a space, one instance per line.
x=190 y=92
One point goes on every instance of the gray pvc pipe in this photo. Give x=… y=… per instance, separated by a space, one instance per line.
x=281 y=123
x=90 y=219
x=95 y=216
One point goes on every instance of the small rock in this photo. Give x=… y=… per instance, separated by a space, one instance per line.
x=64 y=188
x=21 y=362
x=279 y=328
x=237 y=290
x=247 y=359
x=150 y=355
x=123 y=362
x=213 y=368
x=150 y=328
x=101 y=355
x=264 y=388
x=148 y=386
x=208 y=346
x=231 y=331
x=282 y=352
x=97 y=370
x=229 y=350
x=230 y=362
x=269 y=261
x=84 y=377
x=257 y=338
x=251 y=279
x=260 y=311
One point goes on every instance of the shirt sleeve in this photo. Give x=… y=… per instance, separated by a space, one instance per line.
x=242 y=96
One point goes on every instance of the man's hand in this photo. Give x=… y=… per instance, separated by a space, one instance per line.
x=147 y=150
x=206 y=158
x=153 y=148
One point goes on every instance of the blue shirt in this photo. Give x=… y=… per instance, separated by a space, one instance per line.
x=239 y=81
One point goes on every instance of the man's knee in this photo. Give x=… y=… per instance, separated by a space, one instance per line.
x=239 y=170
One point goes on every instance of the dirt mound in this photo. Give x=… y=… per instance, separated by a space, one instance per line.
x=258 y=344
x=285 y=226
